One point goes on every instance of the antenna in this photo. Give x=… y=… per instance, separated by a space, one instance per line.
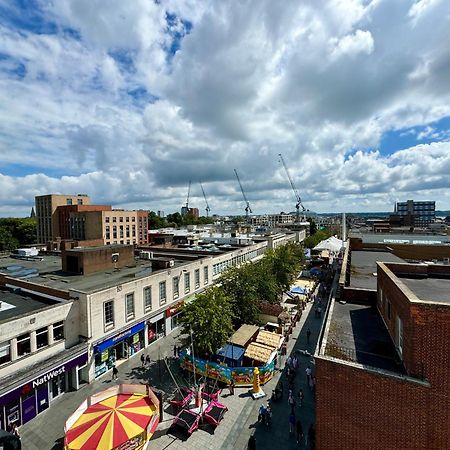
x=247 y=204
x=207 y=209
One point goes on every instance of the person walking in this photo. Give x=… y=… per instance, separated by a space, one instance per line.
x=231 y=387
x=299 y=430
x=301 y=396
x=308 y=335
x=291 y=422
x=114 y=372
x=311 y=437
x=268 y=415
x=174 y=351
x=291 y=402
x=15 y=430
x=147 y=360
x=308 y=372
x=143 y=360
x=251 y=443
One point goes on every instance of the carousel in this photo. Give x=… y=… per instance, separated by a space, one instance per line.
x=122 y=417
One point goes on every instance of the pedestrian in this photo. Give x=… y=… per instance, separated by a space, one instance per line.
x=178 y=350
x=308 y=335
x=289 y=362
x=301 y=396
x=311 y=437
x=308 y=372
x=231 y=387
x=268 y=415
x=319 y=311
x=262 y=414
x=147 y=360
x=15 y=430
x=291 y=402
x=114 y=372
x=291 y=422
x=299 y=430
x=174 y=351
x=312 y=383
x=143 y=360
x=295 y=362
x=251 y=443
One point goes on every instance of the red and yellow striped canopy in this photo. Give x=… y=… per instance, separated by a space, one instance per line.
x=111 y=422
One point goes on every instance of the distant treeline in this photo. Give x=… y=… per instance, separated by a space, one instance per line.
x=16 y=232
x=175 y=220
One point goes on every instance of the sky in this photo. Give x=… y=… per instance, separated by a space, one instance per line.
x=128 y=101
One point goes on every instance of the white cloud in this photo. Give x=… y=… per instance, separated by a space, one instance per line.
x=104 y=107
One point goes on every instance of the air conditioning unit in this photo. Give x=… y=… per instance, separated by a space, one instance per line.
x=446 y=260
x=171 y=263
x=145 y=255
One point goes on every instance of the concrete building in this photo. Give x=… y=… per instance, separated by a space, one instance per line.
x=41 y=354
x=110 y=304
x=418 y=214
x=273 y=220
x=47 y=223
x=382 y=363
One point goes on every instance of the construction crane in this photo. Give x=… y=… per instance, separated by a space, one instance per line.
x=294 y=189
x=247 y=204
x=207 y=209
x=185 y=209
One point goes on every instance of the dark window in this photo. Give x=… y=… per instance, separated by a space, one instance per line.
x=205 y=275
x=23 y=345
x=162 y=292
x=58 y=331
x=5 y=352
x=129 y=303
x=108 y=314
x=147 y=298
x=197 y=278
x=176 y=287
x=42 y=337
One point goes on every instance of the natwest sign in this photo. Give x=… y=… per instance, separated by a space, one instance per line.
x=48 y=376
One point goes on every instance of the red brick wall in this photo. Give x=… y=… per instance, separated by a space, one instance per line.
x=358 y=409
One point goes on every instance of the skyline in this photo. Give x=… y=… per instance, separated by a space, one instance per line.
x=127 y=102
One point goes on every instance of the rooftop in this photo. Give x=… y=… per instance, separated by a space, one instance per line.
x=48 y=273
x=15 y=304
x=429 y=288
x=400 y=238
x=364 y=265
x=357 y=333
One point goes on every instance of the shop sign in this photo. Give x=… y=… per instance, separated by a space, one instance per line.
x=136 y=338
x=174 y=309
x=48 y=376
x=104 y=356
x=118 y=337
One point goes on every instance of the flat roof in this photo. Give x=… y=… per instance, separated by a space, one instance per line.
x=357 y=333
x=429 y=288
x=244 y=334
x=402 y=238
x=15 y=304
x=364 y=265
x=49 y=273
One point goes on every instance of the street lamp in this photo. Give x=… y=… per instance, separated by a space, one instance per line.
x=193 y=358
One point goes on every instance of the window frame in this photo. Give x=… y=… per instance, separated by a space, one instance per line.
x=147 y=306
x=25 y=337
x=5 y=345
x=205 y=275
x=129 y=312
x=108 y=325
x=57 y=326
x=40 y=332
x=187 y=282
x=176 y=287
x=162 y=290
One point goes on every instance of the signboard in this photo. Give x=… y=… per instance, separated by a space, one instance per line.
x=118 y=337
x=174 y=309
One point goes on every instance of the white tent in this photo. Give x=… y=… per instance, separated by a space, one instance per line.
x=331 y=244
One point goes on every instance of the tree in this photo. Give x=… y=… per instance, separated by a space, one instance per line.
x=209 y=316
x=312 y=241
x=265 y=281
x=7 y=240
x=239 y=285
x=287 y=260
x=154 y=221
x=312 y=225
x=17 y=231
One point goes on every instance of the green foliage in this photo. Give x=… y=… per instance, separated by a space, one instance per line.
x=176 y=220
x=265 y=280
x=154 y=221
x=15 y=232
x=210 y=317
x=239 y=285
x=313 y=240
x=312 y=225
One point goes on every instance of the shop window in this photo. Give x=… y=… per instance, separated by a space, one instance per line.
x=129 y=306
x=108 y=314
x=162 y=292
x=23 y=344
x=58 y=331
x=176 y=287
x=147 y=299
x=42 y=337
x=5 y=352
x=205 y=275
x=197 y=278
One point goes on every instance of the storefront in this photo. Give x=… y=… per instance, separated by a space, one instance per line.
x=156 y=328
x=172 y=315
x=121 y=346
x=24 y=402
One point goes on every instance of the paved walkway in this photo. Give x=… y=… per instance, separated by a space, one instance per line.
x=46 y=431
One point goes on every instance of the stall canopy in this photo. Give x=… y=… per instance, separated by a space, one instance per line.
x=331 y=244
x=231 y=355
x=244 y=335
x=299 y=290
x=270 y=339
x=259 y=352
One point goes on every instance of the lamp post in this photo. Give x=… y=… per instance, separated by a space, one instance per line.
x=193 y=358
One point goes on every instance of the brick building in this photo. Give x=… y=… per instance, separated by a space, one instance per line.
x=383 y=365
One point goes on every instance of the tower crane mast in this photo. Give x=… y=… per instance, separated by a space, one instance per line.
x=188 y=194
x=298 y=199
x=248 y=209
x=207 y=209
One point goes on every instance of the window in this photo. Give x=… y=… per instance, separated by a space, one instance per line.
x=399 y=335
x=205 y=275
x=23 y=344
x=388 y=309
x=42 y=337
x=114 y=219
x=80 y=201
x=147 y=298
x=187 y=282
x=58 y=331
x=127 y=219
x=107 y=219
x=108 y=314
x=133 y=219
x=68 y=201
x=380 y=297
x=120 y=219
x=129 y=306
x=176 y=287
x=197 y=278
x=5 y=352
x=162 y=292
